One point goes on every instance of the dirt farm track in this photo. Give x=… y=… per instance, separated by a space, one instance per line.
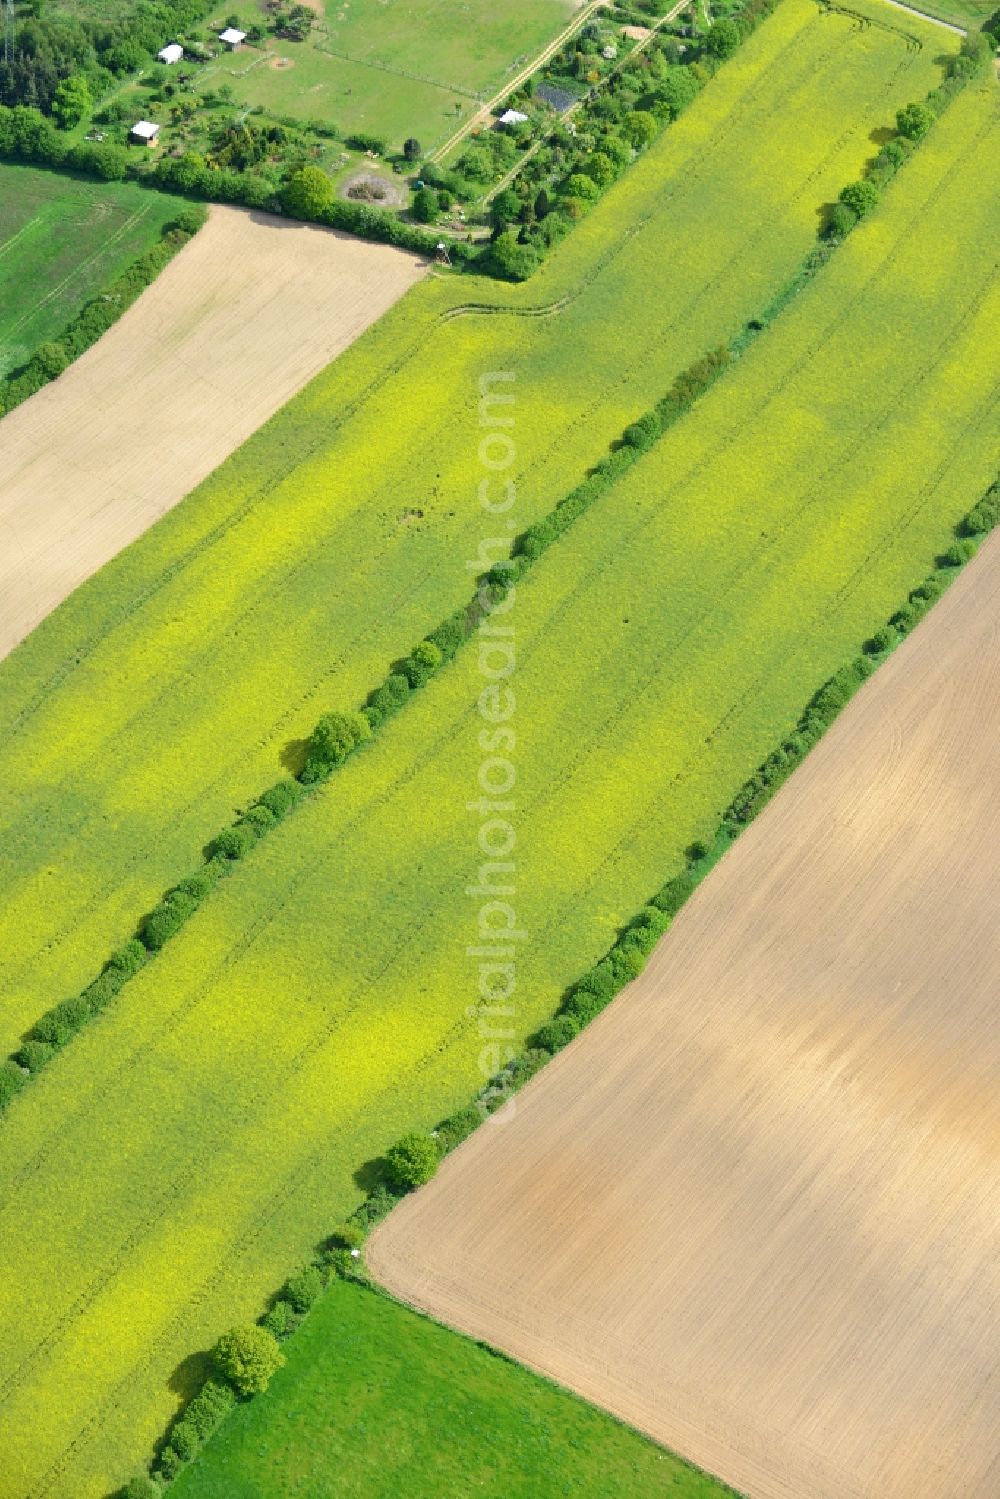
x=754 y=1209
x=238 y=322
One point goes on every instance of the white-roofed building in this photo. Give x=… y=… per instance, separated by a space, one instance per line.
x=232 y=38
x=512 y=117
x=172 y=53
x=143 y=133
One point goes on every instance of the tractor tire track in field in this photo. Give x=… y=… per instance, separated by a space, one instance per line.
x=405 y=943
x=734 y=435
x=738 y=432
x=308 y=451
x=281 y=584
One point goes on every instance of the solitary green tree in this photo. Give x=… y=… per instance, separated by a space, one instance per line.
x=412 y=1161
x=914 y=121
x=411 y=149
x=308 y=193
x=723 y=38
x=72 y=102
x=247 y=1357
x=859 y=197
x=640 y=127
x=425 y=205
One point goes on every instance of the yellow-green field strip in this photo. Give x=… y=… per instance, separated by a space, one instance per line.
x=204 y=1132
x=171 y=688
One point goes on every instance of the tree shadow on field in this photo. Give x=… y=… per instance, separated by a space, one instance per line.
x=293 y=755
x=190 y=1374
x=882 y=135
x=371 y=1174
x=823 y=213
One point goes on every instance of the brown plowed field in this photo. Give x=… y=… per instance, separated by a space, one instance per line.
x=238 y=322
x=755 y=1208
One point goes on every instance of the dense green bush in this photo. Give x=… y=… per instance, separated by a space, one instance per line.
x=387 y=699
x=281 y=1319
x=166 y=919
x=246 y=1358
x=302 y=1289
x=62 y=1021
x=422 y=662
x=141 y=1487
x=556 y=1034
x=336 y=736
x=412 y=1161
x=35 y=1054
x=346 y=1236
x=281 y=797
x=234 y=842
x=12 y=1080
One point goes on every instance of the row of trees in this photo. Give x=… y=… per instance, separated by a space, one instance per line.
x=246 y=1358
x=913 y=122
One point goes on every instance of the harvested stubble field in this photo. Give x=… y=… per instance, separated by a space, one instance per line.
x=166 y=691
x=755 y=1208
x=236 y=324
x=62 y=240
x=315 y=1008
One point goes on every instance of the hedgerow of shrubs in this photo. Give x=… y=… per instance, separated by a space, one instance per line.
x=97 y=315
x=338 y=734
x=913 y=122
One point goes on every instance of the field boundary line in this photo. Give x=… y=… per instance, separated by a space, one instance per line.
x=520 y=558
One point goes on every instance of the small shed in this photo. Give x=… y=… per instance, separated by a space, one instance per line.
x=609 y=53
x=232 y=38
x=172 y=53
x=512 y=117
x=143 y=133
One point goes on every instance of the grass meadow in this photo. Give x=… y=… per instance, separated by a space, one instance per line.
x=415 y=67
x=451 y=1420
x=174 y=685
x=61 y=241
x=315 y=1007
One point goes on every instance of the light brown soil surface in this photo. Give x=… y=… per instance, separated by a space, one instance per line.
x=239 y=321
x=755 y=1208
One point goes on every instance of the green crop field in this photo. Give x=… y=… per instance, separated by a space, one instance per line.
x=168 y=690
x=413 y=67
x=452 y=1420
x=61 y=241
x=315 y=1008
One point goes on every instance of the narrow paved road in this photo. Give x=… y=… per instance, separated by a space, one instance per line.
x=922 y=15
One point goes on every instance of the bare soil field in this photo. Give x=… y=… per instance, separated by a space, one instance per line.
x=754 y=1209
x=238 y=322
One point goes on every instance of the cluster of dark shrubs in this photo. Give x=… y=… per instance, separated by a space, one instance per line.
x=913 y=122
x=97 y=315
x=46 y=49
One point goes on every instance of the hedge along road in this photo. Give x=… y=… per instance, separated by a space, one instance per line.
x=240 y=321
x=167 y=690
x=198 y=1138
